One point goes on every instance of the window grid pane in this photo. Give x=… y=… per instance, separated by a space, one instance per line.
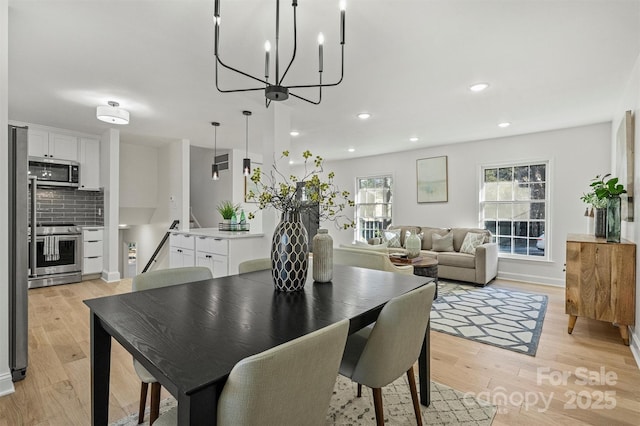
x=513 y=203
x=374 y=200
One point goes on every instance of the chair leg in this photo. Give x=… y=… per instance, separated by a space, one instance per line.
x=377 y=403
x=414 y=395
x=359 y=390
x=155 y=402
x=143 y=401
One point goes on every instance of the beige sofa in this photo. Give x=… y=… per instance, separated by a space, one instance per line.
x=479 y=268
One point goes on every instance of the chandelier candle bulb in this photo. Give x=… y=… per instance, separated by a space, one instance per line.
x=216 y=11
x=343 y=6
x=320 y=47
x=267 y=49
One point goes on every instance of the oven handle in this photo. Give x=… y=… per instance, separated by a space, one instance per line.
x=34 y=249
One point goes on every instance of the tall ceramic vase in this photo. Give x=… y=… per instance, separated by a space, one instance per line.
x=289 y=253
x=601 y=223
x=322 y=256
x=613 y=219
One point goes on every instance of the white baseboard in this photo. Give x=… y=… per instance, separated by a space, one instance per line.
x=532 y=279
x=634 y=335
x=6 y=384
x=110 y=276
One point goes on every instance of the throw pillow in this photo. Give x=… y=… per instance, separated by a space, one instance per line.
x=442 y=242
x=392 y=237
x=471 y=241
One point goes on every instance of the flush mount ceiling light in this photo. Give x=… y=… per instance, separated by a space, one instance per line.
x=277 y=91
x=246 y=162
x=504 y=124
x=478 y=87
x=112 y=114
x=215 y=173
x=364 y=115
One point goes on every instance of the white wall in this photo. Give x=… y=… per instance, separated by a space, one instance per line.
x=138 y=176
x=630 y=100
x=576 y=155
x=204 y=193
x=6 y=385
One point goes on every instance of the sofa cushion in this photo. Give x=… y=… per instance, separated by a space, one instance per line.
x=470 y=242
x=427 y=236
x=403 y=231
x=460 y=233
x=392 y=237
x=442 y=242
x=459 y=260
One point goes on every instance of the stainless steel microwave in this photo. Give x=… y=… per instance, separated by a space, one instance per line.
x=54 y=172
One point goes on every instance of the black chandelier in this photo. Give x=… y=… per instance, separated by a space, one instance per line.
x=278 y=91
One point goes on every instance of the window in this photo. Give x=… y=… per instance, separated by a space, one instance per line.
x=513 y=206
x=374 y=198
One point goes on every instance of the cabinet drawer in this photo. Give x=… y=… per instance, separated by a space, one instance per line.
x=92 y=248
x=212 y=245
x=92 y=265
x=181 y=241
x=92 y=234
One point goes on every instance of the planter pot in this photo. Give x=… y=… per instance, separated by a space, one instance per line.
x=601 y=223
x=289 y=253
x=613 y=219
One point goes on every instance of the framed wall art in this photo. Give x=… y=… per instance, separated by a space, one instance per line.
x=624 y=164
x=432 y=180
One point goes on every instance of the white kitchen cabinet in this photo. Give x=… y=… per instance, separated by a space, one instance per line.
x=52 y=145
x=89 y=157
x=181 y=250
x=213 y=253
x=92 y=250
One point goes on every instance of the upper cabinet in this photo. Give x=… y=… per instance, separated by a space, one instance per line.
x=52 y=145
x=89 y=156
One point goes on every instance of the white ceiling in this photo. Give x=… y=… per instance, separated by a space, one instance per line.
x=551 y=64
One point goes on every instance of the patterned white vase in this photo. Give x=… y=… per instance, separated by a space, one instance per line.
x=290 y=253
x=322 y=256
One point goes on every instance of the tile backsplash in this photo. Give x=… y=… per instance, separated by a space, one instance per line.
x=70 y=206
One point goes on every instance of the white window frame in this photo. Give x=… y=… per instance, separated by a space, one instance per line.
x=547 y=201
x=358 y=202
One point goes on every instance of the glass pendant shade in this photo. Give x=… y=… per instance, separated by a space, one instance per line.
x=246 y=166
x=215 y=174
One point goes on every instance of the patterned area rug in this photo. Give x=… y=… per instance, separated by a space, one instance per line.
x=496 y=316
x=448 y=407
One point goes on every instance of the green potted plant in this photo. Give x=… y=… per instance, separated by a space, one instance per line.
x=605 y=194
x=227 y=209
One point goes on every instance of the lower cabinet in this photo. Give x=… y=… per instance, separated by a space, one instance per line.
x=213 y=253
x=181 y=250
x=92 y=250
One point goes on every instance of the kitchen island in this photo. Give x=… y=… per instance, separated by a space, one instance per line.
x=220 y=251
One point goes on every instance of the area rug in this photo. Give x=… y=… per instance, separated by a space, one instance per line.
x=496 y=316
x=448 y=407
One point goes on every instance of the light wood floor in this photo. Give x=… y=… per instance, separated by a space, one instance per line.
x=57 y=388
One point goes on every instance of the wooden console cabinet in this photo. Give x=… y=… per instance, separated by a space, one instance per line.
x=601 y=281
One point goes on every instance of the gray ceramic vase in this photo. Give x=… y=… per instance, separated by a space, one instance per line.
x=322 y=256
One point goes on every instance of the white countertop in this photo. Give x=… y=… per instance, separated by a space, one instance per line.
x=216 y=233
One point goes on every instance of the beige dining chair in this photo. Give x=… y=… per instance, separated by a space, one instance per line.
x=289 y=384
x=378 y=355
x=254 y=265
x=156 y=279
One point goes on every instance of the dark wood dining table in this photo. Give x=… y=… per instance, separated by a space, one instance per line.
x=190 y=336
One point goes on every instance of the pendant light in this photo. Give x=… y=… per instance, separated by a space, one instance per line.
x=246 y=163
x=215 y=173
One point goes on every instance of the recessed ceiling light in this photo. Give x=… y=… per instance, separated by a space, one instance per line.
x=504 y=124
x=294 y=133
x=290 y=161
x=364 y=115
x=351 y=149
x=413 y=139
x=478 y=87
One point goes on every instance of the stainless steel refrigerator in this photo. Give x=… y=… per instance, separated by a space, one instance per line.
x=18 y=251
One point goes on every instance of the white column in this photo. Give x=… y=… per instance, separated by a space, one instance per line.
x=110 y=178
x=6 y=385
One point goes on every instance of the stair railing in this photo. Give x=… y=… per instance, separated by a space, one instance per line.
x=164 y=240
